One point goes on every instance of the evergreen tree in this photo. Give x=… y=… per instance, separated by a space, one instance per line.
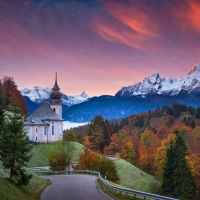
x=168 y=184
x=185 y=187
x=99 y=133
x=14 y=145
x=178 y=180
x=115 y=128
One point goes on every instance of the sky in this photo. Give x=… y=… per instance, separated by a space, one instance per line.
x=97 y=46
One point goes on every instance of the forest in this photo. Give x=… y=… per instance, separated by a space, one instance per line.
x=145 y=140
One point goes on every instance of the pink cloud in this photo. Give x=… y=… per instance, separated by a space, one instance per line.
x=188 y=16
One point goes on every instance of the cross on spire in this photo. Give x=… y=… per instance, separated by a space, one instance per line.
x=56 y=84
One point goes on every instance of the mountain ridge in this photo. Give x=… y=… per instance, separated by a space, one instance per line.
x=154 y=84
x=38 y=94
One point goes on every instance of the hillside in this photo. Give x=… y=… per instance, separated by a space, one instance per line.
x=40 y=152
x=10 y=191
x=136 y=179
x=111 y=107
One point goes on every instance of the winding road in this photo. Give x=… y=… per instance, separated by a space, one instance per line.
x=73 y=187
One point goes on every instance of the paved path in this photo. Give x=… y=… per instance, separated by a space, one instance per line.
x=73 y=187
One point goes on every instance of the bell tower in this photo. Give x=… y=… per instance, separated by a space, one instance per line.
x=56 y=95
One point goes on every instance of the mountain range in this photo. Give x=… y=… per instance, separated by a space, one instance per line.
x=153 y=92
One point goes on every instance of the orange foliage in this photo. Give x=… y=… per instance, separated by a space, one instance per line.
x=114 y=146
x=10 y=92
x=128 y=152
x=162 y=132
x=88 y=160
x=147 y=150
x=86 y=142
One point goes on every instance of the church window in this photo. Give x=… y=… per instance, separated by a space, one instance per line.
x=54 y=109
x=45 y=130
x=52 y=130
x=36 y=130
x=36 y=139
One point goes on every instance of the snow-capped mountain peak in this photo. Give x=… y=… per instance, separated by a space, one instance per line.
x=153 y=78
x=195 y=69
x=38 y=94
x=84 y=95
x=154 y=84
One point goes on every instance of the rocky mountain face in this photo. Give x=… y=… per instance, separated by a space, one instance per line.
x=154 y=84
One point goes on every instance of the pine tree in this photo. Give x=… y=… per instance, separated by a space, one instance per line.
x=178 y=180
x=168 y=184
x=14 y=145
x=185 y=187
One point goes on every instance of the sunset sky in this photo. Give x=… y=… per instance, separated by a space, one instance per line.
x=97 y=46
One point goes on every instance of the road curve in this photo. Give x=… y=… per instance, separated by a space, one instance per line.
x=73 y=187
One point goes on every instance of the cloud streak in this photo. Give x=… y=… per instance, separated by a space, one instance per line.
x=130 y=26
x=189 y=16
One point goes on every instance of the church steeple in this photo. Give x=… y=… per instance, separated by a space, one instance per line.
x=55 y=87
x=56 y=95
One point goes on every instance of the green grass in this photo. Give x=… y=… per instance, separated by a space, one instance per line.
x=10 y=191
x=133 y=178
x=40 y=151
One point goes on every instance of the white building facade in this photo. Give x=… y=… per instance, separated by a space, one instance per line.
x=46 y=123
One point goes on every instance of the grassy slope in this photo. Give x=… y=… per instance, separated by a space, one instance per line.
x=10 y=191
x=134 y=178
x=40 y=152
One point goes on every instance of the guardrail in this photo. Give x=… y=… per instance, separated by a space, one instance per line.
x=135 y=193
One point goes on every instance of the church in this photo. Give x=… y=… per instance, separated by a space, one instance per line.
x=46 y=123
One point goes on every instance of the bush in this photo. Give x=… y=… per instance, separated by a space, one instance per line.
x=89 y=160
x=61 y=156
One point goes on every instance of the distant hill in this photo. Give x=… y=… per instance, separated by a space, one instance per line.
x=119 y=107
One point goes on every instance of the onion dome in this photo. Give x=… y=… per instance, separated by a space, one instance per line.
x=56 y=94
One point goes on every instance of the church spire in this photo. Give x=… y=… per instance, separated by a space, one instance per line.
x=56 y=94
x=55 y=87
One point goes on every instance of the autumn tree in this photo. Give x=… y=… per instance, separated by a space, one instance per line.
x=61 y=155
x=128 y=152
x=10 y=92
x=147 y=150
x=70 y=135
x=114 y=146
x=89 y=160
x=99 y=133
x=14 y=144
x=96 y=138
